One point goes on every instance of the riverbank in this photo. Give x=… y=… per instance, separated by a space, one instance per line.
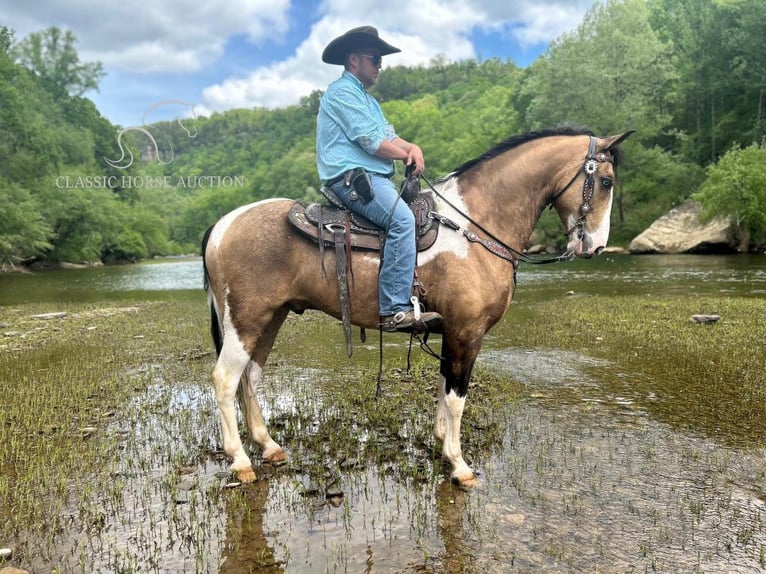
x=111 y=447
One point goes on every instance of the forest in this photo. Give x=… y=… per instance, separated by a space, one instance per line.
x=688 y=75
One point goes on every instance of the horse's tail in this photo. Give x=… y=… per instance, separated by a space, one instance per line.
x=215 y=323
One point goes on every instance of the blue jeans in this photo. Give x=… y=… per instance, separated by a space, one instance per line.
x=398 y=269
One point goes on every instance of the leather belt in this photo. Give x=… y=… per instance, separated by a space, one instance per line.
x=333 y=181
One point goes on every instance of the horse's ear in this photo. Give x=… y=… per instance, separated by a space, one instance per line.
x=614 y=141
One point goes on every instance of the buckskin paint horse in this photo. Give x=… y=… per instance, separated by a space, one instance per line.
x=258 y=268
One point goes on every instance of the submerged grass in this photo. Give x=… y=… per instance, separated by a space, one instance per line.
x=706 y=377
x=109 y=452
x=67 y=383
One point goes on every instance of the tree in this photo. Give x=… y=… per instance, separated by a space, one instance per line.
x=736 y=189
x=51 y=54
x=6 y=39
x=610 y=74
x=747 y=42
x=23 y=231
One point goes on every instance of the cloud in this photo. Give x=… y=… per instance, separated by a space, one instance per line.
x=424 y=30
x=180 y=48
x=533 y=22
x=157 y=36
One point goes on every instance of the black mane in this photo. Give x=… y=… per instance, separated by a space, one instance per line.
x=517 y=140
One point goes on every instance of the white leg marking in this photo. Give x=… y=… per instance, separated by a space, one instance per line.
x=252 y=411
x=226 y=376
x=451 y=450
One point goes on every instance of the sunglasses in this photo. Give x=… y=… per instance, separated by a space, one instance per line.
x=376 y=60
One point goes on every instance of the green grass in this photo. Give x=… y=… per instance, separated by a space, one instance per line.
x=110 y=408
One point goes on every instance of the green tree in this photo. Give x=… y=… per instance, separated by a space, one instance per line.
x=736 y=189
x=24 y=232
x=610 y=74
x=51 y=54
x=6 y=39
x=747 y=41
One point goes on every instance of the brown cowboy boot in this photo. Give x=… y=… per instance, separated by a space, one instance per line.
x=405 y=322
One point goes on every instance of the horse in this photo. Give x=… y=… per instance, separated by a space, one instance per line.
x=258 y=269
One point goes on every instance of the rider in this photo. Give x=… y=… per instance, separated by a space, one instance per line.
x=356 y=149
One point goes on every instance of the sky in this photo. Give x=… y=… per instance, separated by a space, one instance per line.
x=165 y=58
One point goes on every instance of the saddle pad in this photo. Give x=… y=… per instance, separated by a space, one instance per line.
x=364 y=234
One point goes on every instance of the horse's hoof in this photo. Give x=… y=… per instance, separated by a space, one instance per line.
x=245 y=475
x=467 y=482
x=276 y=458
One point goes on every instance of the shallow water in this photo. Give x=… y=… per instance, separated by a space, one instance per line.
x=583 y=481
x=588 y=468
x=743 y=275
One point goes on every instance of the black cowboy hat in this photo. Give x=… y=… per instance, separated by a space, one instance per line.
x=356 y=39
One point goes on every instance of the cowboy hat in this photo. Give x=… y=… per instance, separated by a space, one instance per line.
x=356 y=39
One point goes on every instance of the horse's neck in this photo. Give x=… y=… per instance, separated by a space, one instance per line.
x=507 y=201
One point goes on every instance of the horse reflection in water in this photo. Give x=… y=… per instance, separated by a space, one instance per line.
x=258 y=269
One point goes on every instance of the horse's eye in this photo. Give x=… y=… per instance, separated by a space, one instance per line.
x=607 y=183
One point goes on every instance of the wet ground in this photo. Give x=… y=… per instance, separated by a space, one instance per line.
x=591 y=459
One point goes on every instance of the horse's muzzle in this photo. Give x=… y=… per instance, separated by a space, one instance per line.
x=584 y=247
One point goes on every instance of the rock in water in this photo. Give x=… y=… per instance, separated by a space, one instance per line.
x=705 y=318
x=48 y=316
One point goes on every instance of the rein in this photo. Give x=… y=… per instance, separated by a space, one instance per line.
x=507 y=252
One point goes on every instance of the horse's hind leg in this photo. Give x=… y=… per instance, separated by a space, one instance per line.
x=248 y=399
x=232 y=362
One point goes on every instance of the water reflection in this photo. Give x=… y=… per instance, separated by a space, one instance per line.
x=99 y=283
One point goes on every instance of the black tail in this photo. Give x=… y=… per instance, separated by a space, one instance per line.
x=215 y=330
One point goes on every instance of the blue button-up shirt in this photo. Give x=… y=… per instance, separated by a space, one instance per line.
x=350 y=129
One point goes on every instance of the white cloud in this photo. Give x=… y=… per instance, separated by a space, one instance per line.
x=156 y=41
x=534 y=22
x=152 y=36
x=407 y=25
x=423 y=29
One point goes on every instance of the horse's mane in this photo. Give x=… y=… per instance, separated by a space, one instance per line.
x=517 y=140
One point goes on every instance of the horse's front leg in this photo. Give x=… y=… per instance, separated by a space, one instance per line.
x=456 y=366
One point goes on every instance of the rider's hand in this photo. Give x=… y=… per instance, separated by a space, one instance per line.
x=415 y=156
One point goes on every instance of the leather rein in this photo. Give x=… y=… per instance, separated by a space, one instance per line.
x=505 y=251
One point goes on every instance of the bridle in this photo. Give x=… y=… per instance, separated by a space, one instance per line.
x=590 y=167
x=501 y=249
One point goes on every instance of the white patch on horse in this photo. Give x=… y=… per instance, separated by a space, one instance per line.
x=592 y=241
x=228 y=369
x=449 y=240
x=600 y=236
x=216 y=236
x=253 y=414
